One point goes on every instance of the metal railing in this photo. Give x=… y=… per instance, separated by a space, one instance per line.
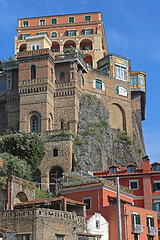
x=136 y=228
x=153 y=231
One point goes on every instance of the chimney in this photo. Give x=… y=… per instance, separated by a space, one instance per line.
x=146 y=164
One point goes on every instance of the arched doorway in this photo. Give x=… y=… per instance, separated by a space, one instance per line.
x=86 y=44
x=117 y=117
x=69 y=43
x=55 y=172
x=20 y=197
x=23 y=47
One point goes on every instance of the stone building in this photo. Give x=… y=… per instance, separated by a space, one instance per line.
x=54 y=218
x=41 y=90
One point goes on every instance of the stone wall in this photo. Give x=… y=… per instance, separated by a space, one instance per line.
x=98 y=145
x=42 y=223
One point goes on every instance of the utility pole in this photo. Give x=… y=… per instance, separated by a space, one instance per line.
x=119 y=211
x=126 y=216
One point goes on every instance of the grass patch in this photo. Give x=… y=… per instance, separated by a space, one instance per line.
x=138 y=150
x=123 y=137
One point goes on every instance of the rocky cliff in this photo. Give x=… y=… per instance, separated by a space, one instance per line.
x=97 y=145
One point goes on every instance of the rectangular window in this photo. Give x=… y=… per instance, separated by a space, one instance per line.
x=87 y=18
x=97 y=224
x=54 y=21
x=87 y=31
x=71 y=20
x=134 y=80
x=71 y=32
x=136 y=219
x=150 y=222
x=156 y=186
x=25 y=237
x=25 y=23
x=59 y=237
x=87 y=200
x=42 y=22
x=23 y=36
x=120 y=72
x=133 y=184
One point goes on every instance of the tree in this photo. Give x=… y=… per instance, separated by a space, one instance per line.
x=12 y=165
x=1 y=66
x=72 y=50
x=25 y=146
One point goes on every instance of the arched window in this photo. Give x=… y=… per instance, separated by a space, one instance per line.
x=55 y=152
x=33 y=72
x=34 y=124
x=62 y=76
x=62 y=124
x=54 y=34
x=55 y=172
x=98 y=84
x=82 y=80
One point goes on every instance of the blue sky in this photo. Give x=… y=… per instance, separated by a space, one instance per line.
x=132 y=30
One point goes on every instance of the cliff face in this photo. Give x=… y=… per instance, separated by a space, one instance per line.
x=97 y=145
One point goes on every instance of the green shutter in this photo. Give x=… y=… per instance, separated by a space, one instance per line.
x=66 y=33
x=147 y=221
x=138 y=220
x=132 y=219
x=91 y=31
x=83 y=31
x=154 y=207
x=152 y=222
x=21 y=36
x=75 y=32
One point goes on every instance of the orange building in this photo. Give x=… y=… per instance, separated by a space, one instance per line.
x=143 y=180
x=101 y=197
x=83 y=31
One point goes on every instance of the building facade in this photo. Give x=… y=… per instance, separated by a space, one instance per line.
x=137 y=223
x=40 y=91
x=143 y=180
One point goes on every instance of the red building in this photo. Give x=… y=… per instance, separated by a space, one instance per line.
x=100 y=197
x=143 y=180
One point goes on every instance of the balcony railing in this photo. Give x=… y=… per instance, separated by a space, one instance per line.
x=136 y=228
x=153 y=231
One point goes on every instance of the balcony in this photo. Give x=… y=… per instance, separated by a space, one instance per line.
x=136 y=228
x=153 y=231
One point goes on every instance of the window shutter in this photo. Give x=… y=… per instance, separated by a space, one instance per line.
x=83 y=32
x=147 y=222
x=154 y=206
x=103 y=86
x=94 y=83
x=133 y=219
x=21 y=36
x=91 y=31
x=152 y=222
x=66 y=33
x=75 y=32
x=138 y=221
